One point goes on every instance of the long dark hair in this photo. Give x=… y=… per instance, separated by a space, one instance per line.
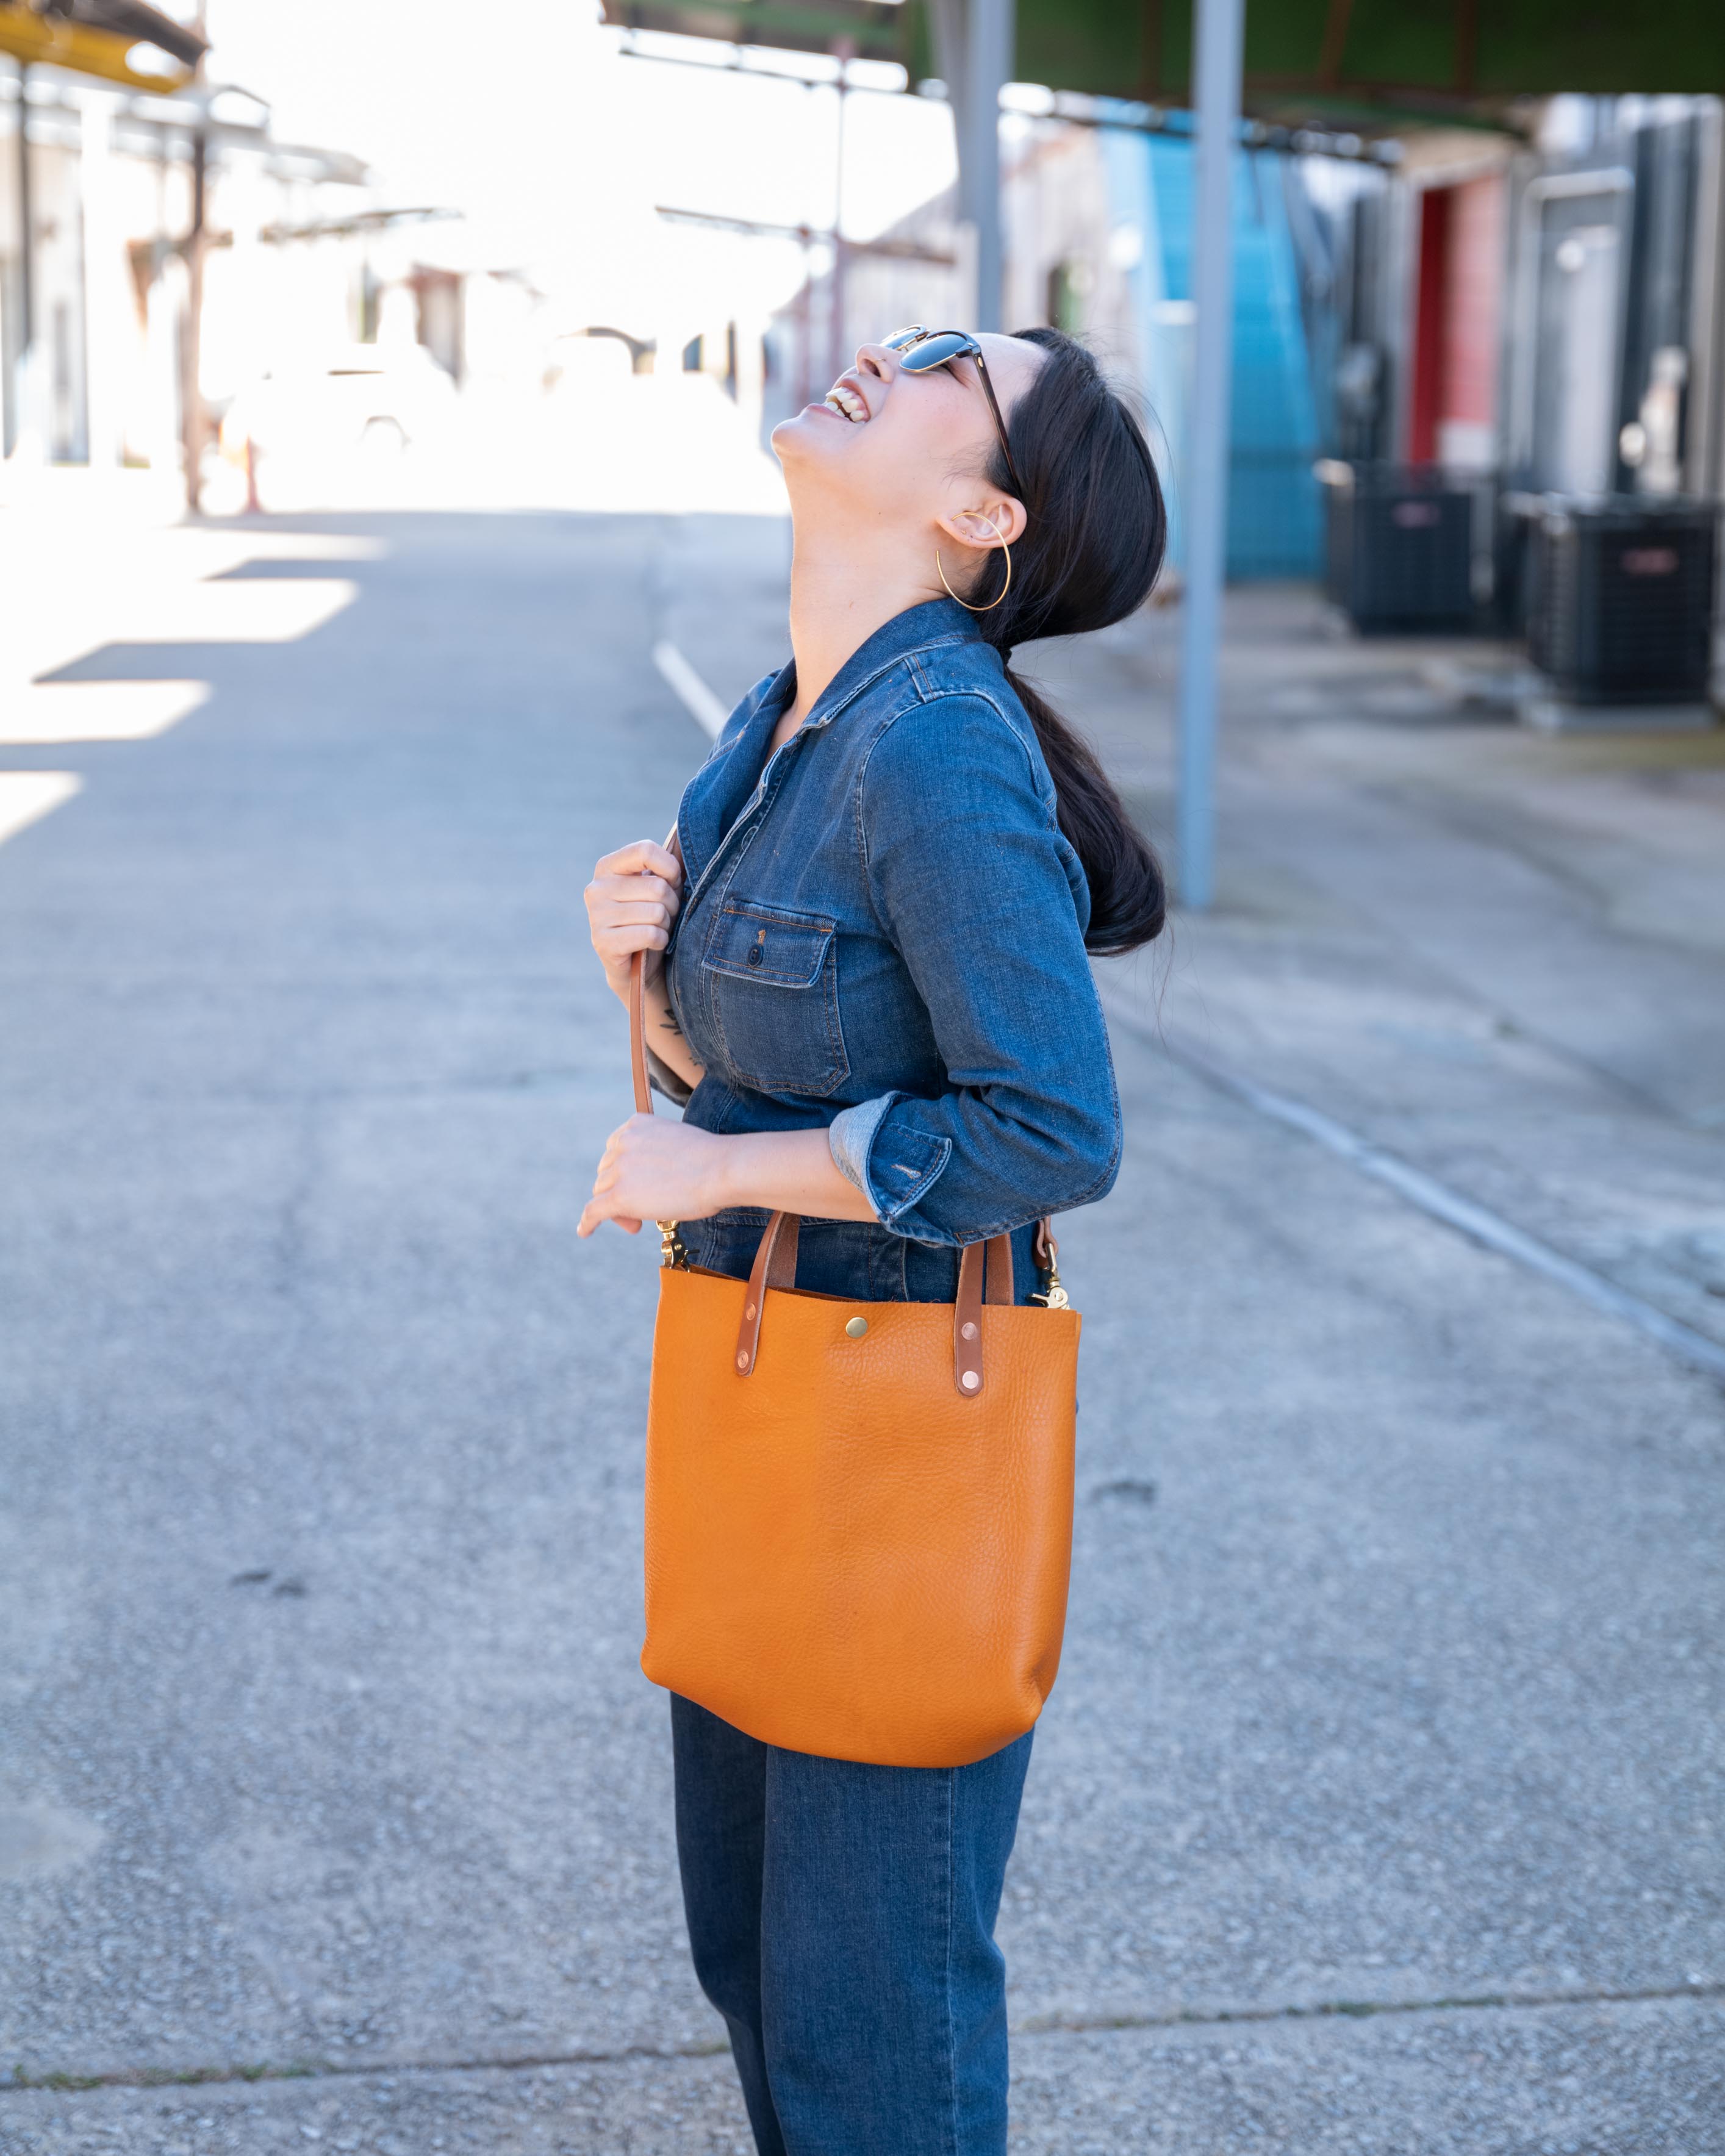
x=1089 y=555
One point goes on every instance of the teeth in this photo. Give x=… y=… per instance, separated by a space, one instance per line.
x=847 y=404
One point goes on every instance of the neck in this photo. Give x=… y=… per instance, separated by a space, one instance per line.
x=845 y=583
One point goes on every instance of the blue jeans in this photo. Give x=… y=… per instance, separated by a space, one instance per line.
x=842 y=1920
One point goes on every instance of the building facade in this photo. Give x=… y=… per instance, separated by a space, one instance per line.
x=1097 y=223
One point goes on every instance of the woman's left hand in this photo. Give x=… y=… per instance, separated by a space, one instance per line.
x=654 y=1169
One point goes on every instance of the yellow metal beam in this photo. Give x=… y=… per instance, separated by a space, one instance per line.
x=54 y=43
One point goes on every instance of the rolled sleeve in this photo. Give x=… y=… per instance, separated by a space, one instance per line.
x=985 y=900
x=849 y=1136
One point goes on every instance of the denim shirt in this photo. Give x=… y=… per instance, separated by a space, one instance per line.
x=885 y=913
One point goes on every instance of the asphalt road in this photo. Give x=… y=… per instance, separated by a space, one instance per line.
x=1378 y=1808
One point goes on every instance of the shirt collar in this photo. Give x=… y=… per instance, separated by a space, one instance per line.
x=935 y=621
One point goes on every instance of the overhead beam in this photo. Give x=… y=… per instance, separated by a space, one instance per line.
x=754 y=227
x=51 y=41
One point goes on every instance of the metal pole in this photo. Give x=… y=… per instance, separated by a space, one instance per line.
x=949 y=21
x=989 y=55
x=192 y=415
x=104 y=256
x=26 y=222
x=805 y=323
x=840 y=353
x=1219 y=37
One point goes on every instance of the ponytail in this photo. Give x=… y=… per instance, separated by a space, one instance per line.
x=1128 y=900
x=1088 y=556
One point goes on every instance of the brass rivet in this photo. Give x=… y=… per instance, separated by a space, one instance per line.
x=970 y=1379
x=857 y=1326
x=749 y=1312
x=968 y=1330
x=742 y=1362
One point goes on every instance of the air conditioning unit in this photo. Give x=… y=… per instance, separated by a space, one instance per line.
x=1621 y=599
x=1398 y=545
x=1513 y=517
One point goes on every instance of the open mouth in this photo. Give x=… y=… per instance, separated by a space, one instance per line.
x=847 y=404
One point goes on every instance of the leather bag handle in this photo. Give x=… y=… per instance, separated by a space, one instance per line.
x=638 y=1033
x=985 y=1270
x=638 y=1007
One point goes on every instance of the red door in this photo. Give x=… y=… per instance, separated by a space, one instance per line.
x=1458 y=307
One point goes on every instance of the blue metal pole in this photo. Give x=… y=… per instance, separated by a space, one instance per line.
x=992 y=31
x=1220 y=28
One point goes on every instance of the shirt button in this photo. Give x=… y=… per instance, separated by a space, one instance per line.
x=756 y=954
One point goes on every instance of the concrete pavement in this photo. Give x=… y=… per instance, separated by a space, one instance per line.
x=1393 y=1675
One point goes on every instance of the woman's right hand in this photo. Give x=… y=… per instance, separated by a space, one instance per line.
x=631 y=903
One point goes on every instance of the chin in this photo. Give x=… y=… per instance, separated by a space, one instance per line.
x=797 y=436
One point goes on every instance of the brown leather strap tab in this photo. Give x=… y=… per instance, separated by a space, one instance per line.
x=775 y=1266
x=984 y=1276
x=638 y=1033
x=967 y=1322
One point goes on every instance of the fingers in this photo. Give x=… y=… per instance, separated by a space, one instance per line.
x=601 y=1206
x=595 y=1216
x=605 y=1202
x=628 y=912
x=617 y=947
x=604 y=917
x=631 y=902
x=617 y=953
x=642 y=890
x=638 y=1127
x=641 y=857
x=635 y=899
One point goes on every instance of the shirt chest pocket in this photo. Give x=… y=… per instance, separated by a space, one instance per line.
x=773 y=986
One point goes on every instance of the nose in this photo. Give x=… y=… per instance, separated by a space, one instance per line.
x=877 y=360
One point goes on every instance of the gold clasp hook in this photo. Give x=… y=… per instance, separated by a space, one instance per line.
x=1051 y=1295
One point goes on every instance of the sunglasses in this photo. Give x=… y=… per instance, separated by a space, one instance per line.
x=920 y=351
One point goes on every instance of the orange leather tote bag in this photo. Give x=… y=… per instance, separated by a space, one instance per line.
x=859 y=1514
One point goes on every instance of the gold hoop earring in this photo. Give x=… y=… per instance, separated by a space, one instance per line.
x=1006 y=550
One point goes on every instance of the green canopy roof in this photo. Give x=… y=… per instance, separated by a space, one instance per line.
x=1337 y=56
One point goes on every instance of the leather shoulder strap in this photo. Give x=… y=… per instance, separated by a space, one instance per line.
x=638 y=1011
x=638 y=1033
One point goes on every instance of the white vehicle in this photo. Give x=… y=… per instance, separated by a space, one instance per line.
x=357 y=397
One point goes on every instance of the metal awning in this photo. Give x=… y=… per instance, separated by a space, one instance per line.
x=869 y=29
x=99 y=38
x=1356 y=58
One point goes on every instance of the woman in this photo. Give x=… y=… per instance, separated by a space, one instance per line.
x=868 y=982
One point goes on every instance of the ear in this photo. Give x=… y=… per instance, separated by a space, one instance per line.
x=972 y=527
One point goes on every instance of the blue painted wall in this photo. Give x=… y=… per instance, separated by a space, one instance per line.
x=1273 y=526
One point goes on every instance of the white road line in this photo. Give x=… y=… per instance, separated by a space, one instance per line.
x=26 y=796
x=1442 y=1204
x=703 y=707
